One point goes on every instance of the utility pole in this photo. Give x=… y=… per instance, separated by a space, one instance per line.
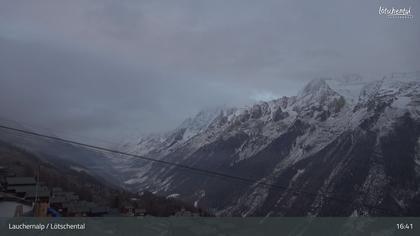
x=37 y=182
x=40 y=208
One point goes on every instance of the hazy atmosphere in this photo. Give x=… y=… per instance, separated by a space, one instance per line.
x=107 y=69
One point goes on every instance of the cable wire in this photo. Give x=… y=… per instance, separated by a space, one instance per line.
x=195 y=169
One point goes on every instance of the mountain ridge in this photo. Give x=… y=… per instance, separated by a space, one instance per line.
x=285 y=141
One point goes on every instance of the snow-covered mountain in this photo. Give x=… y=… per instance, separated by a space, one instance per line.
x=339 y=147
x=160 y=144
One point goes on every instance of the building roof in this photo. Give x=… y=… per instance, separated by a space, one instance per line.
x=22 y=189
x=20 y=181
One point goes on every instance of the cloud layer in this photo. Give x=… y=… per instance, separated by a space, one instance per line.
x=105 y=68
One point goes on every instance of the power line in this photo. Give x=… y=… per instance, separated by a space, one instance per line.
x=68 y=134
x=191 y=168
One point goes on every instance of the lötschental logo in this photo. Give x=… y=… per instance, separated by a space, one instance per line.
x=395 y=12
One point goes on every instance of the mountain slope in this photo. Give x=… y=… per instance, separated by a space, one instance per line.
x=93 y=162
x=89 y=188
x=339 y=147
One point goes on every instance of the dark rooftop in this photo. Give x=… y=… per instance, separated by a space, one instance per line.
x=20 y=181
x=22 y=189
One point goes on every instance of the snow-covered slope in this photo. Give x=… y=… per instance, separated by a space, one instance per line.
x=159 y=144
x=348 y=137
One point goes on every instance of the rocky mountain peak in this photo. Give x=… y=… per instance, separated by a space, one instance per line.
x=314 y=87
x=337 y=135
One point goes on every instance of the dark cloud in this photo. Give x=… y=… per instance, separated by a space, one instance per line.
x=109 y=68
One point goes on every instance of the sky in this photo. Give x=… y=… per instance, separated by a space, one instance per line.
x=112 y=69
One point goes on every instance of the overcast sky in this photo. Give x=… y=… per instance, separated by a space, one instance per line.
x=106 y=69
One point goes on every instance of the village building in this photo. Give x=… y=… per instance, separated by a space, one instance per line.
x=39 y=194
x=139 y=212
x=98 y=211
x=12 y=182
x=183 y=213
x=127 y=209
x=46 y=202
